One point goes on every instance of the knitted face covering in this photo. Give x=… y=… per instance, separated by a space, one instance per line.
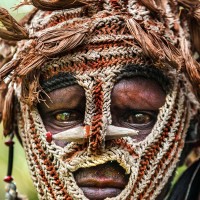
x=149 y=163
x=95 y=45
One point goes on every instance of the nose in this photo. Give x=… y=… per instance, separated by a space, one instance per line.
x=80 y=134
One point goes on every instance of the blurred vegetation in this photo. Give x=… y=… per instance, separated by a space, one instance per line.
x=10 y=4
x=20 y=170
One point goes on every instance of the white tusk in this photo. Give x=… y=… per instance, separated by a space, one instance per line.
x=115 y=132
x=78 y=134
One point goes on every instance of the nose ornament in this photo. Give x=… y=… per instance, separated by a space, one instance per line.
x=80 y=134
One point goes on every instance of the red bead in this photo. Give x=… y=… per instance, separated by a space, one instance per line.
x=8 y=179
x=9 y=143
x=49 y=137
x=87 y=130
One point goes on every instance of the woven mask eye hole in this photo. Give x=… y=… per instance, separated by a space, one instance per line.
x=57 y=4
x=139 y=118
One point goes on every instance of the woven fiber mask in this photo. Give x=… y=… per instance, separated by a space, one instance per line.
x=96 y=45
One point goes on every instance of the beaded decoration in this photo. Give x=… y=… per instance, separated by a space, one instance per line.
x=94 y=44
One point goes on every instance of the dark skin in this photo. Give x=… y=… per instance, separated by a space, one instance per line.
x=135 y=104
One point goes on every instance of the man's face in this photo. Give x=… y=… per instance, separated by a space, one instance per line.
x=135 y=104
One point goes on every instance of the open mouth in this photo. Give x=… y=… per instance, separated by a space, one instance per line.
x=101 y=181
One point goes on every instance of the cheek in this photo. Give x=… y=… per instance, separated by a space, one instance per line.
x=49 y=126
x=60 y=143
x=142 y=135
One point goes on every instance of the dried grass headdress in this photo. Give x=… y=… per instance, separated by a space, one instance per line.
x=166 y=32
x=27 y=51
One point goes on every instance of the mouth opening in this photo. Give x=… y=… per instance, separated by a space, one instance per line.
x=102 y=181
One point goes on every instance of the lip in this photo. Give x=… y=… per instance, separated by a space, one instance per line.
x=101 y=181
x=94 y=193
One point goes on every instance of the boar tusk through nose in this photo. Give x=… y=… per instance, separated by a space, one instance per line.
x=78 y=134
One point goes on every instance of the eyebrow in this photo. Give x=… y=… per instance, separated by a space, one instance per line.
x=64 y=79
x=147 y=71
x=61 y=80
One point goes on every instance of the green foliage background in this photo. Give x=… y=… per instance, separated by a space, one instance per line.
x=20 y=170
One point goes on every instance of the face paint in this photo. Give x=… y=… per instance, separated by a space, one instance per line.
x=105 y=60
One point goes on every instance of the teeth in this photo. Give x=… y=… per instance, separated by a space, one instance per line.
x=80 y=133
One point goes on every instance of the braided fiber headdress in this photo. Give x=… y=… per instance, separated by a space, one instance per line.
x=94 y=44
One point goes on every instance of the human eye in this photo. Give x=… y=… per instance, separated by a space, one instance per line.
x=139 y=119
x=66 y=116
x=59 y=120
